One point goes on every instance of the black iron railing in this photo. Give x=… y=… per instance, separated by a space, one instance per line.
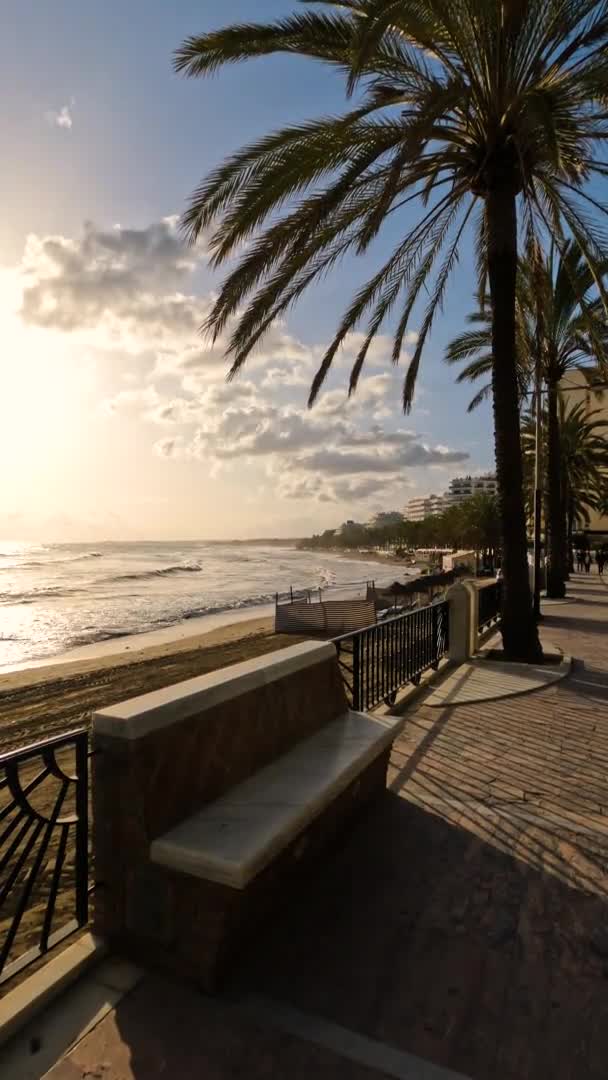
x=490 y=605
x=43 y=847
x=377 y=661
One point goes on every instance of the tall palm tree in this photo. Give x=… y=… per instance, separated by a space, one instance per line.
x=557 y=311
x=473 y=111
x=583 y=447
x=584 y=451
x=473 y=348
x=573 y=337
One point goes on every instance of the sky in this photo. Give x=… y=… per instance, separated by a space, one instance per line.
x=116 y=420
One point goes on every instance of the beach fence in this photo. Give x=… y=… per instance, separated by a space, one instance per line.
x=327 y=611
x=341 y=609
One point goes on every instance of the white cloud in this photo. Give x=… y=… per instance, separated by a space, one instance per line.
x=61 y=118
x=307 y=455
x=131 y=294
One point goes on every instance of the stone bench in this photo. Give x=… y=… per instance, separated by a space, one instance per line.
x=214 y=797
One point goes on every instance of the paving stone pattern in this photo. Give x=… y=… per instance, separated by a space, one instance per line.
x=464 y=919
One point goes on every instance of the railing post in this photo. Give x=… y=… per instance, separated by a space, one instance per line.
x=357 y=673
x=82 y=830
x=435 y=632
x=462 y=600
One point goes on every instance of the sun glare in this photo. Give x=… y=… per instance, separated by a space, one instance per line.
x=37 y=384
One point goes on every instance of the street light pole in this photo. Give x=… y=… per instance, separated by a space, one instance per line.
x=538 y=378
x=537 y=489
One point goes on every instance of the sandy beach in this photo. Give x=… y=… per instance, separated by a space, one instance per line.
x=36 y=702
x=51 y=695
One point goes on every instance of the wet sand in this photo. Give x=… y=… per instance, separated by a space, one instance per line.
x=41 y=701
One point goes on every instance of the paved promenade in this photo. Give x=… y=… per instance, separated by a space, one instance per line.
x=464 y=920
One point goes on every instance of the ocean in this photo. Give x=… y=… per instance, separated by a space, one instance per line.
x=59 y=597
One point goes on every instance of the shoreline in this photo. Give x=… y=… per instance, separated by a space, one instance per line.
x=136 y=649
x=59 y=697
x=183 y=634
x=132 y=646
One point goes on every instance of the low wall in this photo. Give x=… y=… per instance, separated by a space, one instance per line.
x=161 y=757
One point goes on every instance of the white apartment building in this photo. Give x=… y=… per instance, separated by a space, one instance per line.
x=465 y=487
x=419 y=508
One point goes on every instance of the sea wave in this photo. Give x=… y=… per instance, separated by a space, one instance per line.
x=34 y=564
x=95 y=637
x=52 y=592
x=163 y=571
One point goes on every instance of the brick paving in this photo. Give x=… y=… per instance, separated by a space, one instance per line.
x=528 y=775
x=464 y=919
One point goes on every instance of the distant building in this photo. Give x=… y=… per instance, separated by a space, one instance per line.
x=352 y=533
x=385 y=519
x=424 y=506
x=466 y=487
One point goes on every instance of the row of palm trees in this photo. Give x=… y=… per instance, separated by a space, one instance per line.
x=488 y=115
x=560 y=328
x=471 y=524
x=583 y=475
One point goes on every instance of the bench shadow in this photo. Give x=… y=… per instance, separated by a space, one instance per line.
x=167 y=1029
x=421 y=935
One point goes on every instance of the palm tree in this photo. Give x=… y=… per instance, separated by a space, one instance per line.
x=473 y=348
x=468 y=112
x=583 y=449
x=555 y=312
x=573 y=337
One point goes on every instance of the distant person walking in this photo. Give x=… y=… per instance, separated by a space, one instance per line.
x=601 y=559
x=579 y=561
x=588 y=562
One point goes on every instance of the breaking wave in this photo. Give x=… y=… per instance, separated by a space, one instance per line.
x=164 y=571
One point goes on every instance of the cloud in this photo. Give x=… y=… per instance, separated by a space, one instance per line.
x=132 y=295
x=61 y=118
x=119 y=278
x=126 y=400
x=304 y=455
x=133 y=290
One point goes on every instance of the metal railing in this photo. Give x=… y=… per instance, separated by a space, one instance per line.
x=43 y=847
x=377 y=661
x=490 y=605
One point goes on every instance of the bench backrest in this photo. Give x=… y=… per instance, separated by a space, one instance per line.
x=166 y=754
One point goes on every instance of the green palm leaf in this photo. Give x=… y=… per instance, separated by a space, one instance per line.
x=473 y=112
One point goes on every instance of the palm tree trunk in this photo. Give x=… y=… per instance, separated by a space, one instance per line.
x=519 y=631
x=556 y=585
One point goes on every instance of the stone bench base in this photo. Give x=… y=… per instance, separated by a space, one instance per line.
x=196 y=927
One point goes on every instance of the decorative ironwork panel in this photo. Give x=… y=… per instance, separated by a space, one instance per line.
x=43 y=847
x=490 y=605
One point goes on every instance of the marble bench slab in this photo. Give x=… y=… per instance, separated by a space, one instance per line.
x=234 y=838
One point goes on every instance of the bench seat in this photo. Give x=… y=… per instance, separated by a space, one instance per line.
x=235 y=837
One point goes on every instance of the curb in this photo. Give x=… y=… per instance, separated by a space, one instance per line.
x=36 y=992
x=562 y=673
